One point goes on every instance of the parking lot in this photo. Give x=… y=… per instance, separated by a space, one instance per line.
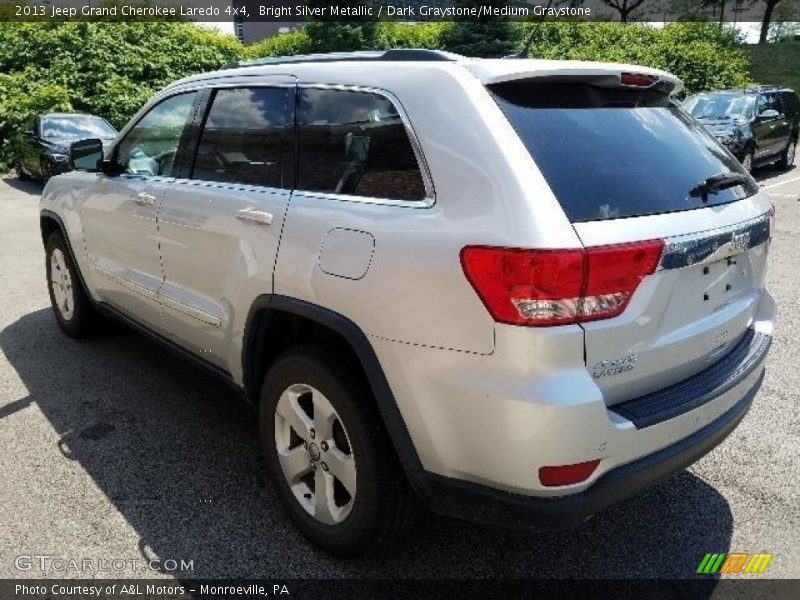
x=114 y=449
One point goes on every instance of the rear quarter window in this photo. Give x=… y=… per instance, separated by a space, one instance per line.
x=355 y=143
x=791 y=103
x=611 y=153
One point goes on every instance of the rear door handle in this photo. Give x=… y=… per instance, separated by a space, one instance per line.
x=256 y=216
x=144 y=199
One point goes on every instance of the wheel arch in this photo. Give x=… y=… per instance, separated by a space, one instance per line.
x=49 y=223
x=275 y=323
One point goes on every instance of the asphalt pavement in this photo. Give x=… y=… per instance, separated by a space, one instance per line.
x=113 y=449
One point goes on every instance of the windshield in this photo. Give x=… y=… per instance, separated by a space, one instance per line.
x=610 y=153
x=721 y=106
x=76 y=127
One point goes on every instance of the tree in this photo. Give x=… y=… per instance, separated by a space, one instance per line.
x=770 y=6
x=623 y=7
x=484 y=36
x=698 y=10
x=783 y=25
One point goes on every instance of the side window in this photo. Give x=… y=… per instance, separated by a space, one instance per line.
x=241 y=139
x=768 y=102
x=149 y=148
x=353 y=142
x=791 y=103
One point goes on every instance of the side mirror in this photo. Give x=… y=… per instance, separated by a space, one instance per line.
x=769 y=115
x=86 y=155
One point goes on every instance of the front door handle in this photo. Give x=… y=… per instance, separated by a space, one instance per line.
x=144 y=199
x=256 y=216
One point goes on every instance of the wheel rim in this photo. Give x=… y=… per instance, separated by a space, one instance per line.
x=315 y=454
x=747 y=163
x=790 y=154
x=61 y=284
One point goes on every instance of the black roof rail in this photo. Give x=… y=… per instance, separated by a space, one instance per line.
x=395 y=55
x=756 y=87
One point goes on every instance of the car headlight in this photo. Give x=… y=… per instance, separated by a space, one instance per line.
x=59 y=157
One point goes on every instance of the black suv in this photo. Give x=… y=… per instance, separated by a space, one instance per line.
x=758 y=125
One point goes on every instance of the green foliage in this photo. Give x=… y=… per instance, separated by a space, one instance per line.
x=776 y=64
x=404 y=35
x=336 y=36
x=22 y=97
x=109 y=69
x=283 y=44
x=701 y=54
x=484 y=37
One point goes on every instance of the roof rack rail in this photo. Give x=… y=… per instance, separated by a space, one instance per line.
x=759 y=87
x=399 y=54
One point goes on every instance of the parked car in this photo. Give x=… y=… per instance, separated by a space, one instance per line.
x=43 y=151
x=760 y=126
x=517 y=291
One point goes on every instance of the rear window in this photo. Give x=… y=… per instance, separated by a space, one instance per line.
x=610 y=153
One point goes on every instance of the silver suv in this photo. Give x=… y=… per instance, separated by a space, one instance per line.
x=515 y=291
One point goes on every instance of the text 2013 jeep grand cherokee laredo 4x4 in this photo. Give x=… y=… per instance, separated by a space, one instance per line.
x=515 y=290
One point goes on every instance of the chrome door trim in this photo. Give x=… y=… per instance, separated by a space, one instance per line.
x=158 y=298
x=190 y=311
x=126 y=283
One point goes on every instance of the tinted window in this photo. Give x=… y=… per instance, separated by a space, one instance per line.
x=355 y=143
x=768 y=102
x=149 y=148
x=76 y=127
x=241 y=139
x=608 y=153
x=791 y=103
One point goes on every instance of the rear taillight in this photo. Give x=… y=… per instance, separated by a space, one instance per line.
x=555 y=287
x=640 y=80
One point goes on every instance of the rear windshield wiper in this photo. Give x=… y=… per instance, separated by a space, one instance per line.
x=715 y=183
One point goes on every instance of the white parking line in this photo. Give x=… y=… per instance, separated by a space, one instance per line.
x=769 y=187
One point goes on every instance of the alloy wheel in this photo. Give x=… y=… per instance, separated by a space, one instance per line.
x=315 y=454
x=61 y=284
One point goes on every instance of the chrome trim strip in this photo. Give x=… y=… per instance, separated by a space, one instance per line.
x=160 y=299
x=126 y=283
x=191 y=311
x=710 y=246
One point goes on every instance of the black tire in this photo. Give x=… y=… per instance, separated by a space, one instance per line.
x=384 y=505
x=21 y=174
x=82 y=319
x=788 y=156
x=45 y=170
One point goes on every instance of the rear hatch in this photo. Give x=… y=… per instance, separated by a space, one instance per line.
x=628 y=165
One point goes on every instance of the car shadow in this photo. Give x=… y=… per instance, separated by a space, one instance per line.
x=765 y=175
x=29 y=186
x=177 y=454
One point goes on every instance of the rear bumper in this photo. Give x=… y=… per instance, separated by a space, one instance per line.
x=483 y=504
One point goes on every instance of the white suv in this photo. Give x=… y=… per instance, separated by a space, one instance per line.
x=516 y=290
